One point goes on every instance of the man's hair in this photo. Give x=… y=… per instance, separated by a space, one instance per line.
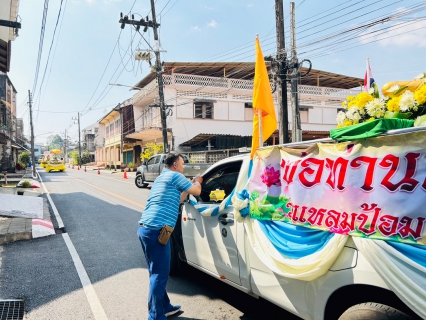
x=172 y=158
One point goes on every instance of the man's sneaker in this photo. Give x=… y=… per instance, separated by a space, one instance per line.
x=172 y=311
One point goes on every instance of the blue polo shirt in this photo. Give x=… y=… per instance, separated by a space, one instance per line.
x=163 y=201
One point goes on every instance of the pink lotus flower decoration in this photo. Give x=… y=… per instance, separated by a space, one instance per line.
x=271 y=177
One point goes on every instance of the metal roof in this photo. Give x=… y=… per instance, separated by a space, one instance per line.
x=201 y=137
x=245 y=70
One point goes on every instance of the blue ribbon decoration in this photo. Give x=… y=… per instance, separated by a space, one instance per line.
x=414 y=252
x=244 y=194
x=294 y=241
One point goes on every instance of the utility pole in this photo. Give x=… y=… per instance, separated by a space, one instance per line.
x=296 y=130
x=79 y=141
x=158 y=67
x=32 y=134
x=282 y=72
x=65 y=147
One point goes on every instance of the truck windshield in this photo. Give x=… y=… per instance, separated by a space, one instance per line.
x=223 y=178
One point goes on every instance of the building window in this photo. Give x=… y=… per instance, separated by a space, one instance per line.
x=111 y=129
x=248 y=105
x=203 y=110
x=107 y=131
x=117 y=126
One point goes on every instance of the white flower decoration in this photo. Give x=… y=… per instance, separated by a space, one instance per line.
x=407 y=102
x=376 y=108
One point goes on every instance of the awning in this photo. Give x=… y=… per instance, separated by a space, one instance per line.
x=16 y=147
x=202 y=137
x=149 y=135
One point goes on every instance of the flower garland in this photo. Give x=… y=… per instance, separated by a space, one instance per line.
x=403 y=99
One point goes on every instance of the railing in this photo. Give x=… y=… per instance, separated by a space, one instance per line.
x=210 y=156
x=202 y=82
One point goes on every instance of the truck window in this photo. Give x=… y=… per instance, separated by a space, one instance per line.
x=223 y=178
x=152 y=160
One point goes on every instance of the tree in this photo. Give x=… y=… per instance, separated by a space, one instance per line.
x=73 y=155
x=151 y=148
x=85 y=157
x=54 y=142
x=24 y=158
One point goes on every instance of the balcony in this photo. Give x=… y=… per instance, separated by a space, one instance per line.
x=234 y=89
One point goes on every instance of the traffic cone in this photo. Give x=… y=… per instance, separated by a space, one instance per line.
x=73 y=166
x=125 y=174
x=85 y=169
x=99 y=172
x=78 y=167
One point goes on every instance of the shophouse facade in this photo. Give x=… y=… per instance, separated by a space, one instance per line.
x=11 y=128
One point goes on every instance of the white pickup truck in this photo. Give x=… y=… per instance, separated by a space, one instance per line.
x=352 y=287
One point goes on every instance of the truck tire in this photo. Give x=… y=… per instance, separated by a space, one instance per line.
x=373 y=311
x=139 y=181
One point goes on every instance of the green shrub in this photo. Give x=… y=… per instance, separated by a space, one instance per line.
x=24 y=158
x=131 y=165
x=26 y=184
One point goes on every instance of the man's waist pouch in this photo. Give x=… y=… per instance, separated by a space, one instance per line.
x=165 y=234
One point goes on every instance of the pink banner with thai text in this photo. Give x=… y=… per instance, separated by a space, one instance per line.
x=375 y=188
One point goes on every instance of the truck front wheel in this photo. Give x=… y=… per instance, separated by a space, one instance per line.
x=139 y=181
x=373 y=311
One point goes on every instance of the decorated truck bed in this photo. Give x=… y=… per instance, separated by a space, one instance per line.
x=325 y=230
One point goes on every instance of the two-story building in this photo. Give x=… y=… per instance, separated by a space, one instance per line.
x=88 y=139
x=112 y=147
x=211 y=106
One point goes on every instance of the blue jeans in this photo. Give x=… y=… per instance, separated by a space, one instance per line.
x=158 y=262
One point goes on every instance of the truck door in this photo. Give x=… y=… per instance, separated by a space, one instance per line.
x=211 y=241
x=150 y=168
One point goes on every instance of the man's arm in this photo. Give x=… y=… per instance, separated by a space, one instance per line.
x=194 y=190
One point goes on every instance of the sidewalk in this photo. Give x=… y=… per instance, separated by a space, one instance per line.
x=24 y=217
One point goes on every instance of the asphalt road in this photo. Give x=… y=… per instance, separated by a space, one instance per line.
x=100 y=214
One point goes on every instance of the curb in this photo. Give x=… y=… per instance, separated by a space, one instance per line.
x=11 y=230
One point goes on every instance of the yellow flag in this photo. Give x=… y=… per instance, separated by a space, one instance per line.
x=262 y=99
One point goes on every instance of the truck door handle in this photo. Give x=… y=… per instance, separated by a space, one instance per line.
x=226 y=218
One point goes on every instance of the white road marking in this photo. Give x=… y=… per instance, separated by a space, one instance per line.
x=55 y=211
x=92 y=298
x=103 y=176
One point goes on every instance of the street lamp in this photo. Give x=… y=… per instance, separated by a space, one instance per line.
x=131 y=87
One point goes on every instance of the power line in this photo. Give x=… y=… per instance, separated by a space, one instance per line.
x=48 y=56
x=40 y=44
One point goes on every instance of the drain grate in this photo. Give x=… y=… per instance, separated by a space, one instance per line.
x=11 y=309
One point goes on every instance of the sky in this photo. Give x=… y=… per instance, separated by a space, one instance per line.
x=90 y=50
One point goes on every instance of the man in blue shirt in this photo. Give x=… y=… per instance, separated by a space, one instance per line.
x=162 y=208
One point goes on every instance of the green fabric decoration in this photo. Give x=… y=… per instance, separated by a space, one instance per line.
x=369 y=129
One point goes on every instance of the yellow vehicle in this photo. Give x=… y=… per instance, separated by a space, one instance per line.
x=55 y=162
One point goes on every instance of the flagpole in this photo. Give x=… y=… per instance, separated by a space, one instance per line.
x=368 y=74
x=259 y=116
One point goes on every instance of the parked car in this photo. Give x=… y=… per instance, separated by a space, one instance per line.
x=152 y=168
